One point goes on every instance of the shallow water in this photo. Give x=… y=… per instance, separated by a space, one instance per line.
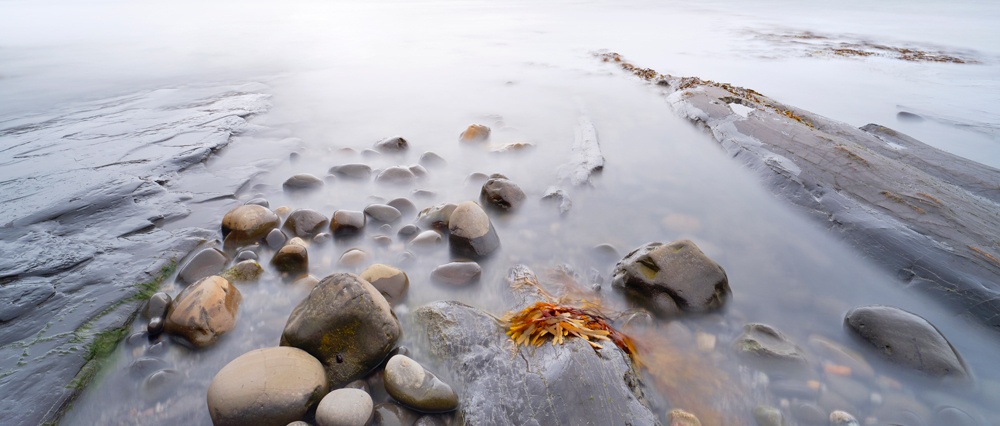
x=347 y=74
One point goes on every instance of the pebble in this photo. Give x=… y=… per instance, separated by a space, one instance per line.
x=470 y=231
x=768 y=416
x=258 y=202
x=383 y=213
x=418 y=170
x=203 y=311
x=302 y=183
x=411 y=384
x=501 y=193
x=389 y=281
x=353 y=258
x=276 y=239
x=389 y=414
x=246 y=255
x=408 y=231
x=345 y=407
x=841 y=418
x=457 y=273
x=157 y=305
x=245 y=271
x=155 y=326
x=158 y=348
x=247 y=224
x=382 y=240
x=282 y=212
x=430 y=159
x=405 y=206
x=423 y=193
x=437 y=217
x=291 y=259
x=391 y=144
x=322 y=238
x=427 y=240
x=430 y=420
x=305 y=223
x=396 y=175
x=346 y=222
x=475 y=133
x=370 y=153
x=680 y=417
x=206 y=263
x=352 y=171
x=476 y=179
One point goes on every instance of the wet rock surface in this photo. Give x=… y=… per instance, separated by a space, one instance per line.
x=388 y=280
x=245 y=271
x=457 y=273
x=204 y=311
x=302 y=183
x=345 y=222
x=247 y=224
x=411 y=384
x=305 y=223
x=436 y=217
x=345 y=407
x=291 y=259
x=569 y=383
x=470 y=231
x=206 y=263
x=501 y=193
x=672 y=278
x=346 y=324
x=270 y=386
x=383 y=213
x=906 y=339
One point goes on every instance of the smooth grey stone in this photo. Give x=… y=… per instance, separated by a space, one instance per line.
x=353 y=259
x=304 y=223
x=206 y=263
x=294 y=157
x=346 y=222
x=382 y=240
x=389 y=281
x=301 y=183
x=405 y=259
x=908 y=116
x=391 y=144
x=246 y=255
x=330 y=179
x=352 y=171
x=423 y=193
x=768 y=416
x=906 y=339
x=457 y=273
x=767 y=348
x=477 y=179
x=672 y=278
x=427 y=240
x=470 y=231
x=501 y=193
x=396 y=175
x=405 y=206
x=270 y=386
x=345 y=323
x=952 y=416
x=321 y=238
x=418 y=170
x=430 y=159
x=276 y=239
x=605 y=252
x=345 y=407
x=258 y=202
x=370 y=153
x=137 y=338
x=162 y=383
x=411 y=384
x=383 y=213
x=157 y=305
x=155 y=326
x=408 y=231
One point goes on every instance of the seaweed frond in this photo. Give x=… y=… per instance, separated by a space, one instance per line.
x=542 y=321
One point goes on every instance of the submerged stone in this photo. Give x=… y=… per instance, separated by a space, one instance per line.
x=247 y=224
x=500 y=192
x=389 y=281
x=383 y=213
x=769 y=349
x=672 y=278
x=396 y=175
x=475 y=133
x=391 y=144
x=470 y=232
x=305 y=223
x=411 y=384
x=245 y=271
x=352 y=171
x=291 y=259
x=345 y=222
x=302 y=183
x=457 y=273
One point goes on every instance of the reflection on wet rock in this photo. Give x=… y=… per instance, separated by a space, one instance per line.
x=155 y=326
x=270 y=386
x=291 y=259
x=431 y=159
x=346 y=324
x=906 y=339
x=396 y=175
x=383 y=213
x=436 y=217
x=470 y=232
x=206 y=263
x=457 y=273
x=475 y=133
x=204 y=311
x=302 y=183
x=411 y=384
x=345 y=407
x=352 y=171
x=346 y=222
x=500 y=192
x=391 y=144
x=245 y=271
x=305 y=223
x=247 y=224
x=389 y=281
x=390 y=414
x=768 y=349
x=672 y=278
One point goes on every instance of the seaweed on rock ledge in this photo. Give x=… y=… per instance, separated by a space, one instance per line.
x=541 y=321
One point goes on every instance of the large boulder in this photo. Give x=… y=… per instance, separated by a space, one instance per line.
x=204 y=311
x=305 y=223
x=670 y=278
x=470 y=232
x=569 y=384
x=270 y=386
x=906 y=339
x=346 y=324
x=247 y=224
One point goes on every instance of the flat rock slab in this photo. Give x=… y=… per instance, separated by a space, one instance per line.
x=570 y=384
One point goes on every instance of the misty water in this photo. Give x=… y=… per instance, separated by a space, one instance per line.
x=345 y=74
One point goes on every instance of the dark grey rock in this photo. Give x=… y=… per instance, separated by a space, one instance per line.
x=391 y=144
x=906 y=339
x=346 y=222
x=396 y=175
x=672 y=278
x=305 y=223
x=768 y=349
x=458 y=274
x=301 y=183
x=345 y=407
x=383 y=213
x=276 y=239
x=291 y=259
x=156 y=326
x=157 y=305
x=408 y=231
x=352 y=171
x=346 y=324
x=206 y=263
x=470 y=231
x=411 y=384
x=500 y=192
